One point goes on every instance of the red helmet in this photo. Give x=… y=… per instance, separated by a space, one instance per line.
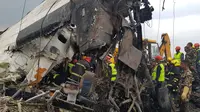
x=88 y=59
x=178 y=48
x=158 y=58
x=196 y=45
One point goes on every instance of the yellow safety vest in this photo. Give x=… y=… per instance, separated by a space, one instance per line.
x=178 y=58
x=162 y=73
x=114 y=72
x=176 y=62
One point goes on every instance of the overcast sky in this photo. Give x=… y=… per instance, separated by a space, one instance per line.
x=187 y=20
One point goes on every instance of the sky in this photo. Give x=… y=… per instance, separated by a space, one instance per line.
x=186 y=24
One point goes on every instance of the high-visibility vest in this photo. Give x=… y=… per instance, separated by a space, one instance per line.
x=177 y=57
x=70 y=65
x=114 y=72
x=176 y=62
x=161 y=78
x=55 y=76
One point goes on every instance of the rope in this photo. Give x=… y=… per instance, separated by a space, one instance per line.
x=159 y=20
x=173 y=23
x=24 y=6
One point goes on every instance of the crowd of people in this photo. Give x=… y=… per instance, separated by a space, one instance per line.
x=179 y=74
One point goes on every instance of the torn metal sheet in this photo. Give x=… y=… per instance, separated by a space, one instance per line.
x=128 y=54
x=94 y=25
x=39 y=70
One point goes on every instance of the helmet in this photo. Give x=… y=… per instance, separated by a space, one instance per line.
x=196 y=45
x=87 y=58
x=169 y=59
x=112 y=60
x=158 y=58
x=178 y=48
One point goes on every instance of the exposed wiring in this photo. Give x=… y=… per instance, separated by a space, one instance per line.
x=173 y=22
x=24 y=6
x=159 y=20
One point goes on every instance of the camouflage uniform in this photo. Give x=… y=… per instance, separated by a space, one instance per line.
x=191 y=57
x=186 y=80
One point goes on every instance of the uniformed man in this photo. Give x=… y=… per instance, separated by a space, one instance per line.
x=59 y=74
x=198 y=58
x=158 y=74
x=78 y=70
x=178 y=55
x=185 y=86
x=191 y=56
x=196 y=46
x=112 y=71
x=173 y=77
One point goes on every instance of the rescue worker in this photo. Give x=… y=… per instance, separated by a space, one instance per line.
x=196 y=46
x=158 y=76
x=191 y=57
x=198 y=58
x=78 y=70
x=59 y=74
x=173 y=77
x=178 y=55
x=112 y=71
x=185 y=86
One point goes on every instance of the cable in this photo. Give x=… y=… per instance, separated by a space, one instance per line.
x=173 y=22
x=41 y=34
x=144 y=36
x=22 y=15
x=159 y=20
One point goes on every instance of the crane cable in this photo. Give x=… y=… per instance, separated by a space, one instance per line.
x=159 y=20
x=173 y=22
x=24 y=6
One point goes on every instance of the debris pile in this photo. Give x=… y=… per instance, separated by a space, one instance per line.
x=77 y=55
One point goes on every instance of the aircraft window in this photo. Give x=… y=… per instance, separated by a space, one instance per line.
x=54 y=50
x=62 y=38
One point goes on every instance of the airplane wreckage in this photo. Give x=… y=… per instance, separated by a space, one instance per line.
x=57 y=30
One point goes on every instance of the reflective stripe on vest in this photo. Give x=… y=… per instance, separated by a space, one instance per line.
x=70 y=65
x=162 y=73
x=73 y=73
x=55 y=75
x=114 y=72
x=178 y=58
